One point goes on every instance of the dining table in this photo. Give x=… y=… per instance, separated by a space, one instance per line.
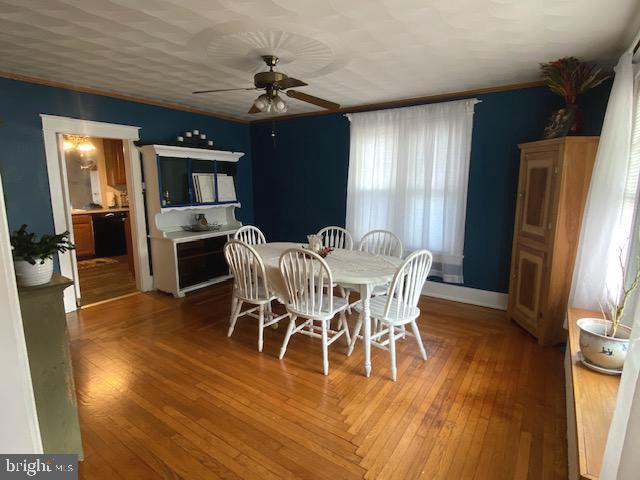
x=353 y=268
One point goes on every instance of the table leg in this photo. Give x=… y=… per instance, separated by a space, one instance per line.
x=365 y=296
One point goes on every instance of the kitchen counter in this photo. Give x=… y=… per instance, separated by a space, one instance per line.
x=92 y=211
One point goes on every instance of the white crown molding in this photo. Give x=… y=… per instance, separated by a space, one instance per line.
x=473 y=296
x=189 y=152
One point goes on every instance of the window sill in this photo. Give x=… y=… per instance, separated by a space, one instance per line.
x=591 y=399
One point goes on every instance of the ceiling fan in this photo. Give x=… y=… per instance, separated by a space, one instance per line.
x=273 y=82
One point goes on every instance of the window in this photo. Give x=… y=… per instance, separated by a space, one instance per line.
x=633 y=174
x=408 y=173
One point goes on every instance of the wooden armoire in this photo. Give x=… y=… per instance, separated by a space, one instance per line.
x=552 y=190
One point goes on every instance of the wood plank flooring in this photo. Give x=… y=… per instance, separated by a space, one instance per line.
x=103 y=282
x=163 y=393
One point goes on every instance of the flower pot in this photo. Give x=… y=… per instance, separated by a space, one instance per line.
x=599 y=349
x=28 y=275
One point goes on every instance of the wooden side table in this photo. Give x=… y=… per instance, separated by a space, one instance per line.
x=47 y=339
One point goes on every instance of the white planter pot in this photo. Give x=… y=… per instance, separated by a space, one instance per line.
x=599 y=349
x=28 y=275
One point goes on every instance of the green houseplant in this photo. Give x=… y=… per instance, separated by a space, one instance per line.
x=570 y=77
x=33 y=256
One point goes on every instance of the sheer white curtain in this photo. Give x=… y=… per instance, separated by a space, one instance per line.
x=408 y=173
x=606 y=224
x=621 y=459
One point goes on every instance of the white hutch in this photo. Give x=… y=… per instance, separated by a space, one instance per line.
x=183 y=261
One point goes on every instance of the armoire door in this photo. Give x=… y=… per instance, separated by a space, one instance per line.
x=527 y=287
x=537 y=190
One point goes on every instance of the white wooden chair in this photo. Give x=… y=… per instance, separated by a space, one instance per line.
x=399 y=307
x=381 y=242
x=308 y=280
x=250 y=286
x=377 y=242
x=336 y=237
x=250 y=235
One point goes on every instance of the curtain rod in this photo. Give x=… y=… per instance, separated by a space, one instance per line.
x=346 y=114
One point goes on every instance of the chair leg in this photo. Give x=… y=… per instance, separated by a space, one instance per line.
x=292 y=325
x=261 y=327
x=345 y=327
x=325 y=353
x=234 y=316
x=354 y=335
x=392 y=352
x=416 y=333
x=234 y=303
x=345 y=293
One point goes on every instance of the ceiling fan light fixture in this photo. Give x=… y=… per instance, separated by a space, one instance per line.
x=262 y=102
x=279 y=105
x=274 y=82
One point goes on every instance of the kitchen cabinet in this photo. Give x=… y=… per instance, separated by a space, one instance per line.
x=201 y=260
x=114 y=162
x=552 y=190
x=83 y=237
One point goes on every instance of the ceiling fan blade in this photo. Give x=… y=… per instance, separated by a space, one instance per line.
x=223 y=90
x=291 y=83
x=254 y=109
x=314 y=100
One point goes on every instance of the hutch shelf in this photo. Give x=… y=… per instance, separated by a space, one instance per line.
x=184 y=261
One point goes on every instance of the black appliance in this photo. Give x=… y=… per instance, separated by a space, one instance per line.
x=108 y=234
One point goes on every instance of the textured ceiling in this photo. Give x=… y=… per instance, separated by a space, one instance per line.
x=349 y=51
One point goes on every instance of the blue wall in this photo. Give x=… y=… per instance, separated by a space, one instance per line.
x=22 y=159
x=301 y=174
x=296 y=182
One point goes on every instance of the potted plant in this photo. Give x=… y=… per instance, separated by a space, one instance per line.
x=570 y=77
x=604 y=341
x=33 y=257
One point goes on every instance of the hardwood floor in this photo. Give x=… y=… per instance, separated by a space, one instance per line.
x=103 y=282
x=163 y=393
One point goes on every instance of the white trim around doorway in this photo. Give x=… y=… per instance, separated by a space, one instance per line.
x=54 y=126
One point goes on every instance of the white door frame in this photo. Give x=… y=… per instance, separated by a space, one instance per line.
x=54 y=126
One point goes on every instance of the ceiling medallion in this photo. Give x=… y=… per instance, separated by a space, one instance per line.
x=243 y=51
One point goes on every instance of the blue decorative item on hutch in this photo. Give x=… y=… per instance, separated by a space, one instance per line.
x=182 y=182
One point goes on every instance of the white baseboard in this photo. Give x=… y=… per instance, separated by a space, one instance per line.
x=473 y=296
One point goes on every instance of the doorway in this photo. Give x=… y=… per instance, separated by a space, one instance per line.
x=98 y=196
x=88 y=211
